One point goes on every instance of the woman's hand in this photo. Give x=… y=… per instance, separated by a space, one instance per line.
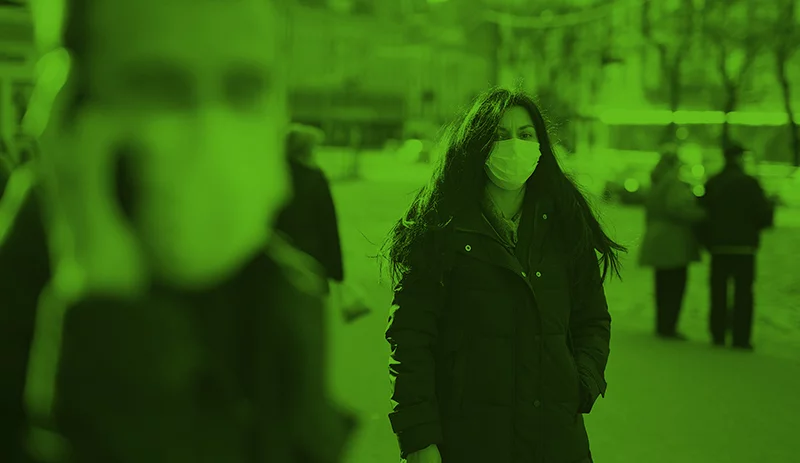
x=429 y=454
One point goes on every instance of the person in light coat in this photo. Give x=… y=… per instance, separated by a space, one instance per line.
x=669 y=243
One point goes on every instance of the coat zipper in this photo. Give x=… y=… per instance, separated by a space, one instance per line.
x=535 y=304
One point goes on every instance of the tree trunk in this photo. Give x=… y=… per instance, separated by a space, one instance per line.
x=730 y=94
x=730 y=106
x=646 y=22
x=673 y=88
x=787 y=104
x=675 y=83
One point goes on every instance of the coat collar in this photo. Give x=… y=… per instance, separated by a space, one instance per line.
x=472 y=219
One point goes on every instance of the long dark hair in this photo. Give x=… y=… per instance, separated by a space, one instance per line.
x=459 y=180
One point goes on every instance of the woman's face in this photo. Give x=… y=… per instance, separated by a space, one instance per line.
x=515 y=153
x=516 y=123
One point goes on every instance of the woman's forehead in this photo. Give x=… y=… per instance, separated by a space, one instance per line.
x=516 y=116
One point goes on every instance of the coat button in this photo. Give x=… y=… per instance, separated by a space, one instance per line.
x=538 y=274
x=536 y=403
x=468 y=248
x=544 y=216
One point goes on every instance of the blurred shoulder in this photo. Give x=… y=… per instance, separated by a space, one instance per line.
x=751 y=181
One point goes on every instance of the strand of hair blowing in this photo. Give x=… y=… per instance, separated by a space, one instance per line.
x=458 y=180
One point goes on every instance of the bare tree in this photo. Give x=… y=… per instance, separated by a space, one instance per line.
x=671 y=35
x=734 y=29
x=787 y=39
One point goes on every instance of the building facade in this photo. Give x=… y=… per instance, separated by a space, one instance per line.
x=389 y=69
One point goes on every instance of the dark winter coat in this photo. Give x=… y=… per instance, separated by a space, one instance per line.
x=232 y=374
x=672 y=211
x=483 y=364
x=737 y=211
x=309 y=221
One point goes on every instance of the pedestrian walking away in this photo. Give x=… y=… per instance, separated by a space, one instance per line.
x=738 y=211
x=310 y=223
x=499 y=327
x=669 y=243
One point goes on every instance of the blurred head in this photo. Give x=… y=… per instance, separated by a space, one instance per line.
x=301 y=142
x=510 y=122
x=734 y=154
x=184 y=100
x=669 y=163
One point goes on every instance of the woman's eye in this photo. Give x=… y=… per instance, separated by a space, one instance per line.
x=526 y=136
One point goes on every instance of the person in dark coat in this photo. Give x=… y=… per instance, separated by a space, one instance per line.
x=738 y=211
x=172 y=325
x=214 y=365
x=669 y=243
x=499 y=327
x=309 y=220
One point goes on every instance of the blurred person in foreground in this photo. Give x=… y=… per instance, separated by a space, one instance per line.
x=669 y=243
x=310 y=222
x=175 y=326
x=738 y=211
x=499 y=326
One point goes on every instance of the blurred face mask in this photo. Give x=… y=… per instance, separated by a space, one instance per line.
x=208 y=192
x=184 y=199
x=512 y=162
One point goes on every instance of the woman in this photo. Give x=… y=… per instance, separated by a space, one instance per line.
x=499 y=326
x=670 y=244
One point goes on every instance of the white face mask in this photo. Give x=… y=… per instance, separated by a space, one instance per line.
x=512 y=162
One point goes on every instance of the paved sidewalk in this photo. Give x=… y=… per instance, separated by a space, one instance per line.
x=666 y=402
